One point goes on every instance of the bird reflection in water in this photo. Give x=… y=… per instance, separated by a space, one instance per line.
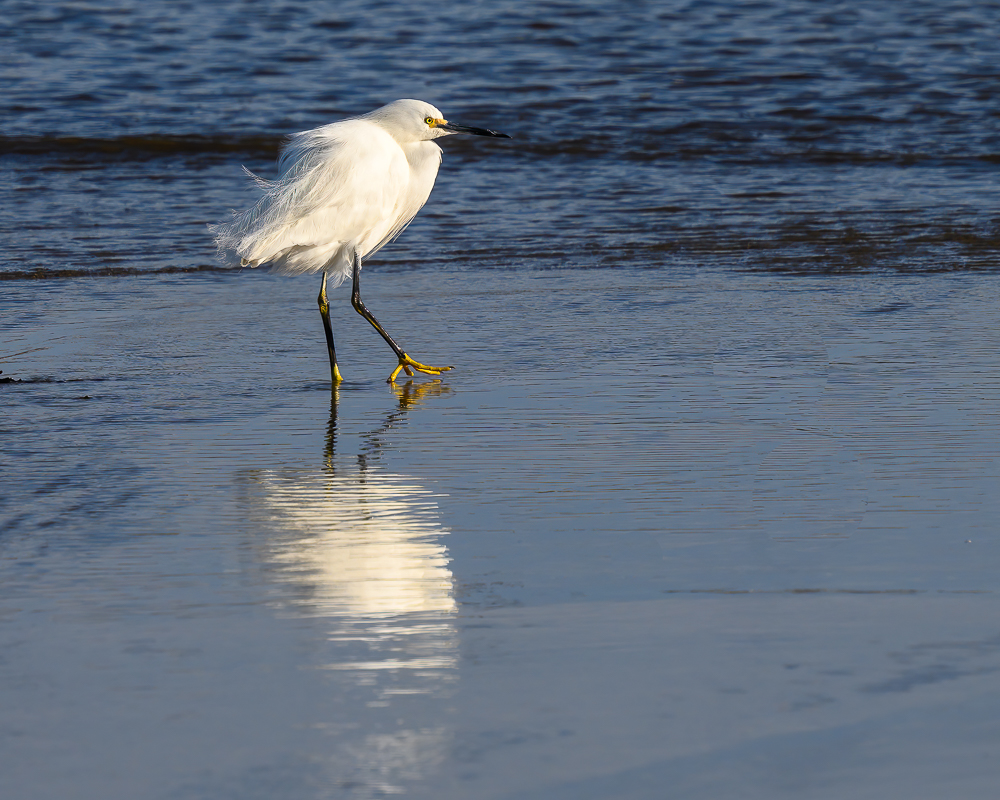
x=361 y=548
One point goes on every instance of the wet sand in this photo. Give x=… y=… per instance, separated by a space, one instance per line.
x=721 y=532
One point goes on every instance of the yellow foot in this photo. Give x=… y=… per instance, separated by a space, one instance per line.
x=335 y=375
x=407 y=365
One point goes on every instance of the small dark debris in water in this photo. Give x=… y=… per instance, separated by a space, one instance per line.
x=41 y=273
x=141 y=147
x=888 y=308
x=52 y=380
x=85 y=397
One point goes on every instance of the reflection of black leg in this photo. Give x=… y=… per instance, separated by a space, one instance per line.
x=331 y=429
x=374 y=441
x=324 y=310
x=405 y=362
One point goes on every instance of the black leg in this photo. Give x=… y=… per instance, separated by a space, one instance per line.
x=405 y=362
x=324 y=310
x=359 y=306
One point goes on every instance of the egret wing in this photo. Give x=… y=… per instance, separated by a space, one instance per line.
x=339 y=187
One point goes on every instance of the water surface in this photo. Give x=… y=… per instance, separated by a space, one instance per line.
x=708 y=505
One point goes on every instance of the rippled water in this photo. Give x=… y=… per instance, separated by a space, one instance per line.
x=802 y=136
x=708 y=506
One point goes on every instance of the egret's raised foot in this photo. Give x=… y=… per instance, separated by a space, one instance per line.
x=407 y=365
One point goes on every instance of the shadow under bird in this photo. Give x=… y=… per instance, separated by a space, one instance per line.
x=345 y=190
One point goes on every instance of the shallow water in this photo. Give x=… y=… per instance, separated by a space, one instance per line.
x=708 y=503
x=753 y=525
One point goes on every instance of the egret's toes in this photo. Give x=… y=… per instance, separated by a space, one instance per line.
x=407 y=364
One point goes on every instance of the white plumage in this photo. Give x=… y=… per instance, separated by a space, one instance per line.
x=344 y=190
x=351 y=185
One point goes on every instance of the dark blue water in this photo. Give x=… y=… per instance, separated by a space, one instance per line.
x=708 y=507
x=802 y=136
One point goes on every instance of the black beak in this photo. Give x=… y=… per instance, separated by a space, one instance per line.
x=453 y=128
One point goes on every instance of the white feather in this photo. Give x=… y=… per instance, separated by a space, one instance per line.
x=348 y=186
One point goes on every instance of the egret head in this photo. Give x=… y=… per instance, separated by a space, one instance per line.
x=417 y=121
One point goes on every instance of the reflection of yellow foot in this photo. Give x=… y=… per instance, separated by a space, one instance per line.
x=407 y=364
x=413 y=394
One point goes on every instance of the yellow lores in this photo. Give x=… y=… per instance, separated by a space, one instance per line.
x=345 y=190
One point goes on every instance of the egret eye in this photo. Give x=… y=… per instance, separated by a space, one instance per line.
x=429 y=120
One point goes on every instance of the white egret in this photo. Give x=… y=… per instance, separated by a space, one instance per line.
x=345 y=190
